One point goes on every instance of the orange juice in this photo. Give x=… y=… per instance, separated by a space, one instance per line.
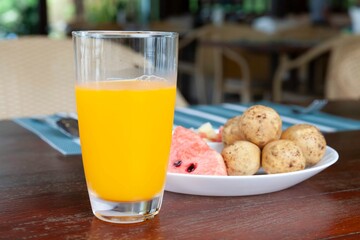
x=125 y=135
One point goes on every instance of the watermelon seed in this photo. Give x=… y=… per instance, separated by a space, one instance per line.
x=191 y=168
x=177 y=163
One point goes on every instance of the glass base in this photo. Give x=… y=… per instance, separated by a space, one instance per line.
x=125 y=212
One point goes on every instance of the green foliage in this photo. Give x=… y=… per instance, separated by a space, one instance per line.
x=258 y=6
x=19 y=16
x=102 y=11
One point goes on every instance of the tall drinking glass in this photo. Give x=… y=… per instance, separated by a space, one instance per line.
x=125 y=95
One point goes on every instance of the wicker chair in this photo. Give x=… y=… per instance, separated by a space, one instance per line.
x=37 y=77
x=342 y=78
x=209 y=61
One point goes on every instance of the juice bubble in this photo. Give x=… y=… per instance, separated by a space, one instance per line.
x=150 y=78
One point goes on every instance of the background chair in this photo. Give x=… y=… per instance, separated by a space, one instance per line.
x=37 y=77
x=343 y=79
x=343 y=70
x=212 y=60
x=180 y=100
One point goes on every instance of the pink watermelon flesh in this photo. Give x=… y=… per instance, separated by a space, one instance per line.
x=190 y=154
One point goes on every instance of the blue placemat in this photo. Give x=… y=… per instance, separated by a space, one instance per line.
x=217 y=115
x=56 y=139
x=194 y=117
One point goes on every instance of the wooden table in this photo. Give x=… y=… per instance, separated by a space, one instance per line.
x=43 y=196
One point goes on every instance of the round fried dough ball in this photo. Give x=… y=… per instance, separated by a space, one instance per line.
x=309 y=139
x=231 y=131
x=282 y=156
x=241 y=158
x=260 y=125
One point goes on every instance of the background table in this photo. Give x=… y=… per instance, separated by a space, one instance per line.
x=44 y=196
x=287 y=43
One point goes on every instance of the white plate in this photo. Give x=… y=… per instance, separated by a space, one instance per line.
x=244 y=185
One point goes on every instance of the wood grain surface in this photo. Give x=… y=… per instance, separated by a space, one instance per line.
x=44 y=196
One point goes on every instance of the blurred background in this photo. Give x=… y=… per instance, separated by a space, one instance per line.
x=274 y=30
x=58 y=17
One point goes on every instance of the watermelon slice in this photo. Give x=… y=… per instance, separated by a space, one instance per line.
x=190 y=154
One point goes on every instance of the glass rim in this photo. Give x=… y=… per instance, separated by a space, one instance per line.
x=122 y=34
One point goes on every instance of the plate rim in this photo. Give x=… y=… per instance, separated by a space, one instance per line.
x=300 y=172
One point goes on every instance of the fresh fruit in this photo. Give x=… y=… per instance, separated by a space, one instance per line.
x=190 y=154
x=260 y=125
x=309 y=139
x=241 y=158
x=231 y=131
x=208 y=133
x=282 y=156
